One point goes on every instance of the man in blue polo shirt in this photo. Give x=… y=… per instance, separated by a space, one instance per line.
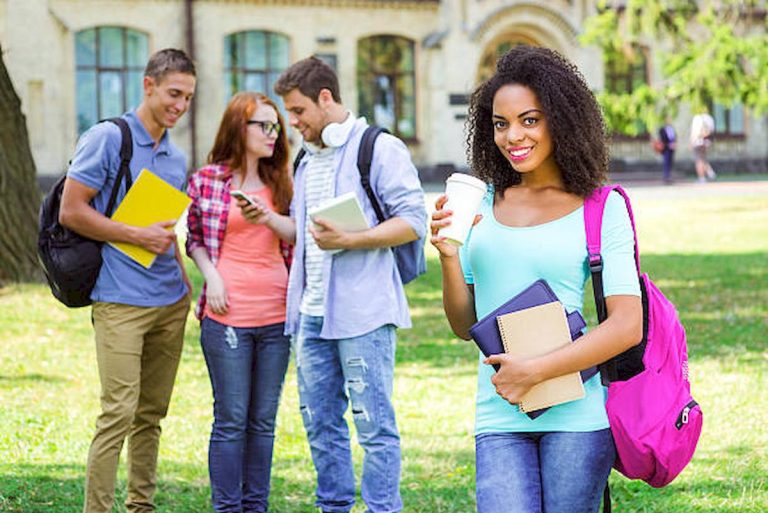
x=138 y=314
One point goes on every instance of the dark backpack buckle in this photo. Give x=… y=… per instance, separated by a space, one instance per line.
x=595 y=263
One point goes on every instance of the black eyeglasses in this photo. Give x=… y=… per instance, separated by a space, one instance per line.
x=268 y=127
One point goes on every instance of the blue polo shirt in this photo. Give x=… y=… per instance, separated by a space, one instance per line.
x=96 y=164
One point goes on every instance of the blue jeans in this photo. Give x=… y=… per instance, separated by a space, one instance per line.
x=247 y=367
x=557 y=472
x=332 y=374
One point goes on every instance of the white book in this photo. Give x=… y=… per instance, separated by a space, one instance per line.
x=343 y=211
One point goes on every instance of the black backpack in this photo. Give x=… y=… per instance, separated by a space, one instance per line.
x=410 y=258
x=72 y=262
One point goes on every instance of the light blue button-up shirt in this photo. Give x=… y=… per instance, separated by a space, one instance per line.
x=363 y=290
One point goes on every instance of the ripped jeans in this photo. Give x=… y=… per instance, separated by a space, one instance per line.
x=331 y=374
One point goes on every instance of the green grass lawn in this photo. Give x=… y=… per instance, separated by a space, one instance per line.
x=709 y=255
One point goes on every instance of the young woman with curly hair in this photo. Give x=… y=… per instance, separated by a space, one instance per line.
x=237 y=247
x=536 y=135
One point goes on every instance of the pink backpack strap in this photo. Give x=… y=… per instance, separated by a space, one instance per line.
x=594 y=207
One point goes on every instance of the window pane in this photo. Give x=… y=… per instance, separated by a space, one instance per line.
x=111 y=47
x=406 y=123
x=720 y=121
x=386 y=56
x=405 y=50
x=111 y=90
x=278 y=52
x=134 y=91
x=363 y=56
x=230 y=51
x=271 y=79
x=138 y=48
x=255 y=82
x=736 y=118
x=85 y=48
x=384 y=103
x=365 y=92
x=255 y=50
x=331 y=60
x=86 y=100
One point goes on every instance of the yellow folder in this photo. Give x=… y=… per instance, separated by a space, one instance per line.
x=537 y=331
x=149 y=200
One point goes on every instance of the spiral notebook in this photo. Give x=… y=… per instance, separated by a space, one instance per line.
x=533 y=332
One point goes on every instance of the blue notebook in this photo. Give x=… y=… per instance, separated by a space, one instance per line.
x=485 y=332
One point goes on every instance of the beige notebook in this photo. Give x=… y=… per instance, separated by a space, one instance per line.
x=533 y=332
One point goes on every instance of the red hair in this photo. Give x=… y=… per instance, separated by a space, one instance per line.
x=230 y=144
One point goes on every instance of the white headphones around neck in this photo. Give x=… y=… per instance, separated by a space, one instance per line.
x=335 y=134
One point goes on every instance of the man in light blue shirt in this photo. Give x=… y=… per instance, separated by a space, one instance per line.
x=139 y=313
x=344 y=305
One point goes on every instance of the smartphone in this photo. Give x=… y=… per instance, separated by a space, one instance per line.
x=241 y=195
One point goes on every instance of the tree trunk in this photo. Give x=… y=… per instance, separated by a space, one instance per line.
x=19 y=194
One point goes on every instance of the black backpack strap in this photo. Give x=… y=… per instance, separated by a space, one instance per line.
x=608 y=369
x=126 y=153
x=297 y=160
x=364 y=159
x=596 y=270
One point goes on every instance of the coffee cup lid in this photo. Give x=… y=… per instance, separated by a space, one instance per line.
x=467 y=179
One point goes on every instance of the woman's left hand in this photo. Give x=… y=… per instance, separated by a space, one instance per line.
x=515 y=377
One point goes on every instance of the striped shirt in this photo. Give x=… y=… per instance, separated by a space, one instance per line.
x=319 y=188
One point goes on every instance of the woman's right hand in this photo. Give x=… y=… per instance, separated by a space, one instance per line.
x=216 y=294
x=440 y=219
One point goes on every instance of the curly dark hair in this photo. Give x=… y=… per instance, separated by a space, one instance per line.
x=573 y=116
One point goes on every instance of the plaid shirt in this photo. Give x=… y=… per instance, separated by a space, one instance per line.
x=207 y=217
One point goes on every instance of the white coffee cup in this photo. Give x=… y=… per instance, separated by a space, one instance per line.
x=465 y=193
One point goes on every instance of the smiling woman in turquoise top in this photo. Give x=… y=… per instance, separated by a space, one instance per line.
x=536 y=135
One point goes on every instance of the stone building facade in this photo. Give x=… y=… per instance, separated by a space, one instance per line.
x=405 y=64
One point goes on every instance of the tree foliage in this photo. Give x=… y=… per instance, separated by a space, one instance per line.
x=708 y=51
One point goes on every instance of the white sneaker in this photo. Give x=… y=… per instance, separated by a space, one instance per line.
x=711 y=175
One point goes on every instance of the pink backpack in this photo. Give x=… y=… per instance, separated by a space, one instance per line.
x=654 y=420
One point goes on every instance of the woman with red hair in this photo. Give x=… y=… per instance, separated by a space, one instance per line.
x=239 y=247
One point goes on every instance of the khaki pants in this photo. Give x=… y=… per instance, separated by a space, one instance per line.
x=138 y=351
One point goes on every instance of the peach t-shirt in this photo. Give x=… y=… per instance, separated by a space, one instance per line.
x=253 y=271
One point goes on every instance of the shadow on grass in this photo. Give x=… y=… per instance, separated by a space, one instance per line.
x=433 y=482
x=11 y=381
x=437 y=482
x=714 y=484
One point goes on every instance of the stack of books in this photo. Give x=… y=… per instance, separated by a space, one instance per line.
x=530 y=324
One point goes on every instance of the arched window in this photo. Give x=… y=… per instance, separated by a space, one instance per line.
x=386 y=83
x=498 y=47
x=110 y=67
x=253 y=60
